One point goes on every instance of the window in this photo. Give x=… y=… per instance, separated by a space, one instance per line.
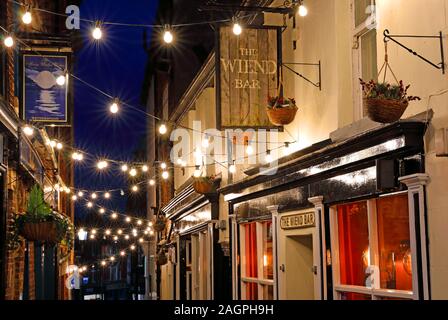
x=371 y=245
x=365 y=62
x=257 y=273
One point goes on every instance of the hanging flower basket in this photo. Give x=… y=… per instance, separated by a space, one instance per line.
x=204 y=185
x=385 y=103
x=160 y=224
x=40 y=231
x=384 y=110
x=162 y=259
x=281 y=111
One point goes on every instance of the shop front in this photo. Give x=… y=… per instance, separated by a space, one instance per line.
x=196 y=262
x=342 y=219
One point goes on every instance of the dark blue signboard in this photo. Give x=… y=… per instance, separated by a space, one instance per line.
x=43 y=99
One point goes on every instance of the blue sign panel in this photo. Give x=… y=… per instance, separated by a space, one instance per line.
x=43 y=99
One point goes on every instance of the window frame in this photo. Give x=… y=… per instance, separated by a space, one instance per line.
x=261 y=282
x=357 y=33
x=375 y=291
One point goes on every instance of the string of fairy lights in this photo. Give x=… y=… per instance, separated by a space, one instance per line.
x=164 y=126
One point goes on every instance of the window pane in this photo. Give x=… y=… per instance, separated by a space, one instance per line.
x=354 y=296
x=394 y=243
x=362 y=11
x=268 y=292
x=353 y=243
x=268 y=271
x=251 y=250
x=251 y=291
x=369 y=59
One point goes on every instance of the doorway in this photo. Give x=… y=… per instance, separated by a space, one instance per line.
x=298 y=268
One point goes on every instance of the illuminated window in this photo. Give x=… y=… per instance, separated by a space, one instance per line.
x=257 y=273
x=372 y=238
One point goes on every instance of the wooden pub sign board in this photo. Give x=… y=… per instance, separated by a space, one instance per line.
x=247 y=71
x=303 y=220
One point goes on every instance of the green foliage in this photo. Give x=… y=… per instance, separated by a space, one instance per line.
x=38 y=210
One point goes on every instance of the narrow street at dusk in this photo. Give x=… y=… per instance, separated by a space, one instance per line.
x=181 y=153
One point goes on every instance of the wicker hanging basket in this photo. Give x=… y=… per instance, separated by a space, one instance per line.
x=385 y=110
x=203 y=186
x=40 y=231
x=282 y=116
x=160 y=224
x=162 y=259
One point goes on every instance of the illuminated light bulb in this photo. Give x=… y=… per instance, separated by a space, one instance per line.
x=163 y=165
x=165 y=175
x=102 y=210
x=126 y=237
x=93 y=231
x=59 y=146
x=237 y=30
x=108 y=232
x=303 y=11
x=52 y=143
x=132 y=247
x=107 y=195
x=197 y=173
x=134 y=231
x=152 y=182
x=128 y=219
x=61 y=80
x=80 y=194
x=163 y=129
x=206 y=143
x=28 y=130
x=151 y=232
x=179 y=161
x=103 y=263
x=112 y=258
x=80 y=157
x=133 y=172
x=168 y=36
x=89 y=204
x=92 y=236
x=124 y=168
x=114 y=215
x=74 y=197
x=102 y=164
x=141 y=240
x=269 y=158
x=97 y=34
x=150 y=224
x=119 y=231
x=75 y=155
x=139 y=222
x=122 y=253
x=27 y=18
x=68 y=191
x=94 y=196
x=145 y=232
x=115 y=238
x=232 y=168
x=121 y=192
x=135 y=188
x=9 y=41
x=145 y=168
x=114 y=108
x=250 y=150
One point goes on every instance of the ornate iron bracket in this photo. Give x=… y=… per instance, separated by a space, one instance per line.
x=439 y=66
x=318 y=65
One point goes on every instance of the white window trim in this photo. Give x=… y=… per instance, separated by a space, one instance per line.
x=358 y=32
x=375 y=291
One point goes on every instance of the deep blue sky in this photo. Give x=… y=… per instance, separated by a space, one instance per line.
x=116 y=65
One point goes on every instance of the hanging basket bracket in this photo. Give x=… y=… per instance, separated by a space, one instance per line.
x=318 y=65
x=439 y=66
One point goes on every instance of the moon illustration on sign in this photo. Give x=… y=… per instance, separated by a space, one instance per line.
x=46 y=80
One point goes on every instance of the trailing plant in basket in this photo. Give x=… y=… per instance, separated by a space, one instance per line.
x=281 y=102
x=385 y=103
x=281 y=111
x=204 y=184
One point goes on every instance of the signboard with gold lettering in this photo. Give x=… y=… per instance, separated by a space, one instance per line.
x=303 y=220
x=247 y=71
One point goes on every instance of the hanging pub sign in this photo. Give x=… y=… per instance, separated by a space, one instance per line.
x=43 y=99
x=247 y=72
